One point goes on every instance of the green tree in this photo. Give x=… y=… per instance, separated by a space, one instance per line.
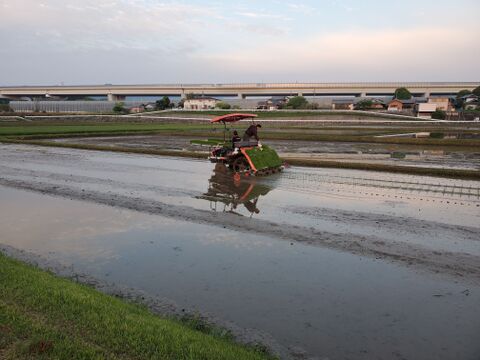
x=5 y=108
x=459 y=102
x=476 y=91
x=364 y=104
x=163 y=103
x=309 y=106
x=5 y=105
x=403 y=94
x=222 y=105
x=462 y=93
x=190 y=96
x=439 y=115
x=297 y=102
x=119 y=108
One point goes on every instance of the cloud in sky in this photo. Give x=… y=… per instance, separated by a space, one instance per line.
x=421 y=54
x=149 y=41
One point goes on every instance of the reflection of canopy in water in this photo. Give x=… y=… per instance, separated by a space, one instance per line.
x=245 y=192
x=224 y=188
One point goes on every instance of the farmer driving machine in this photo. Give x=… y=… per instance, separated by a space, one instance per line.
x=247 y=156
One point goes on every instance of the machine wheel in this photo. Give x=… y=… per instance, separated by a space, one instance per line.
x=240 y=165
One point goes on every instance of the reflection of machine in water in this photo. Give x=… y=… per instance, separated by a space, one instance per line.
x=233 y=190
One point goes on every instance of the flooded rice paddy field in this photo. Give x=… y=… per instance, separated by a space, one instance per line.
x=336 y=264
x=415 y=155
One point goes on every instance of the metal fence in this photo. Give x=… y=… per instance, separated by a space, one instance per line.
x=99 y=106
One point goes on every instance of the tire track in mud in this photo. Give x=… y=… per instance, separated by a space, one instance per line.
x=397 y=224
x=452 y=263
x=89 y=180
x=427 y=186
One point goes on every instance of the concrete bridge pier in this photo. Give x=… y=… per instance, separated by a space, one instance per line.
x=113 y=97
x=241 y=96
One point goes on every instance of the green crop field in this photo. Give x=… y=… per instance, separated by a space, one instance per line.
x=213 y=131
x=100 y=128
x=285 y=114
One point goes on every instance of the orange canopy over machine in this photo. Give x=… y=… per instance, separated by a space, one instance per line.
x=232 y=118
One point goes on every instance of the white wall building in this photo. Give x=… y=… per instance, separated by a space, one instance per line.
x=203 y=103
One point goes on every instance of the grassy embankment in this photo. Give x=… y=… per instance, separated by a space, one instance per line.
x=261 y=114
x=35 y=132
x=294 y=114
x=39 y=134
x=95 y=129
x=43 y=316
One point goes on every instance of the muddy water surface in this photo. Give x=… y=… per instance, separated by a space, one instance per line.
x=298 y=281
x=415 y=155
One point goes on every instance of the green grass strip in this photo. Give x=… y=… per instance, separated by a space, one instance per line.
x=32 y=132
x=95 y=128
x=43 y=316
x=282 y=114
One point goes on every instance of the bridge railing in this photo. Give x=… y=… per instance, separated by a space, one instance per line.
x=286 y=85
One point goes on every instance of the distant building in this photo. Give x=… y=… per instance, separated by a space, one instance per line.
x=201 y=103
x=470 y=98
x=353 y=104
x=136 y=109
x=141 y=108
x=262 y=105
x=401 y=105
x=471 y=102
x=343 y=104
x=377 y=103
x=425 y=110
x=274 y=103
x=472 y=105
x=443 y=103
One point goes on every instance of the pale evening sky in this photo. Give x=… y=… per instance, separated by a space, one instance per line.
x=200 y=41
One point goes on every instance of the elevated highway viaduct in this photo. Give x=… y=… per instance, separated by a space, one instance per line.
x=119 y=92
